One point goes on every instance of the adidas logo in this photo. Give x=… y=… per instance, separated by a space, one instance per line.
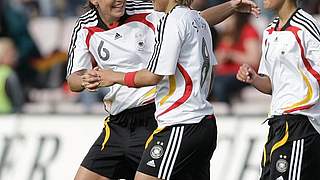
x=151 y=163
x=117 y=36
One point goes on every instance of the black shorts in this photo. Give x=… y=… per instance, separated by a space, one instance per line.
x=292 y=151
x=181 y=151
x=117 y=151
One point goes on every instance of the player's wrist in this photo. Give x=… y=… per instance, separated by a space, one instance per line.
x=129 y=79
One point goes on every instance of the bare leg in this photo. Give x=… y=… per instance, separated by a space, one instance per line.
x=85 y=174
x=142 y=176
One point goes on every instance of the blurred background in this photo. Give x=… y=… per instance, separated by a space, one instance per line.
x=45 y=129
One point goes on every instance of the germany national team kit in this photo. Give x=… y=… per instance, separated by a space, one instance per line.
x=184 y=116
x=291 y=58
x=183 y=144
x=124 y=47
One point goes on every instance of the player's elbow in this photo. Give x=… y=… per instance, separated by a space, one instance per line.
x=152 y=79
x=155 y=79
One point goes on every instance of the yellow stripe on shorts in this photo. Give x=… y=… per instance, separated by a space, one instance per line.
x=107 y=129
x=282 y=141
x=151 y=136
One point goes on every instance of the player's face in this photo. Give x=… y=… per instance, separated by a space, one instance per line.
x=110 y=8
x=160 y=5
x=273 y=4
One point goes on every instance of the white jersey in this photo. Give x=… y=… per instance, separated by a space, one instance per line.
x=125 y=48
x=291 y=58
x=183 y=54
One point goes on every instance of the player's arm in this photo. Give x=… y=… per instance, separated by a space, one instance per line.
x=75 y=81
x=136 y=79
x=217 y=14
x=84 y=79
x=248 y=75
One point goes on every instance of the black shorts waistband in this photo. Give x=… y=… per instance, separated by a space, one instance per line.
x=141 y=109
x=137 y=116
x=285 y=117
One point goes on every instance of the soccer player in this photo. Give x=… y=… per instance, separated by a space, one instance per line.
x=181 y=67
x=108 y=37
x=290 y=71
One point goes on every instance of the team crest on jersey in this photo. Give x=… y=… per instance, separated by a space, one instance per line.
x=140 y=41
x=282 y=165
x=156 y=152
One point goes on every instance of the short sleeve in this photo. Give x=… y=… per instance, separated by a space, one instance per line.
x=263 y=64
x=169 y=39
x=312 y=46
x=79 y=57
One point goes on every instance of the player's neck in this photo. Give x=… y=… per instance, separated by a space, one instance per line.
x=170 y=6
x=109 y=20
x=286 y=11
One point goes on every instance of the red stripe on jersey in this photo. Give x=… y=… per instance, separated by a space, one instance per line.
x=315 y=74
x=187 y=91
x=270 y=31
x=299 y=108
x=91 y=31
x=140 y=18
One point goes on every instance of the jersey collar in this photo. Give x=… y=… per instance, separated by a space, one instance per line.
x=287 y=23
x=103 y=26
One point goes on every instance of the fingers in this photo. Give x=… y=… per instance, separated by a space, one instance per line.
x=255 y=11
x=97 y=68
x=92 y=86
x=245 y=74
x=250 y=3
x=241 y=75
x=249 y=6
x=90 y=79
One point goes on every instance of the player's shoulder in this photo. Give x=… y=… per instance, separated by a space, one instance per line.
x=307 y=23
x=181 y=15
x=90 y=18
x=179 y=12
x=272 y=25
x=138 y=7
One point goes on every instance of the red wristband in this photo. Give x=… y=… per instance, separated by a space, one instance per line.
x=129 y=79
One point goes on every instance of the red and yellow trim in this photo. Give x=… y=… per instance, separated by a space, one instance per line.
x=302 y=104
x=314 y=73
x=172 y=88
x=148 y=97
x=187 y=91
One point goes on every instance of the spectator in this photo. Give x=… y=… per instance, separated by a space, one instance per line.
x=11 y=97
x=14 y=24
x=239 y=43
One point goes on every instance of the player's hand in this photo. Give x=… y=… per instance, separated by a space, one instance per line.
x=107 y=76
x=91 y=80
x=246 y=6
x=246 y=74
